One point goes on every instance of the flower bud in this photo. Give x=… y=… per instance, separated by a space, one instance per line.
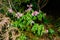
x=10 y=10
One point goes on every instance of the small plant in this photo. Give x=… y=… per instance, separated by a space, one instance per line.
x=27 y=17
x=51 y=31
x=38 y=29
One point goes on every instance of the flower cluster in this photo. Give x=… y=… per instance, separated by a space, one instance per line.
x=18 y=15
x=35 y=13
x=29 y=7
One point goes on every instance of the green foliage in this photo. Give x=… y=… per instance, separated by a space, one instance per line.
x=23 y=22
x=51 y=31
x=40 y=16
x=38 y=29
x=22 y=37
x=20 y=5
x=47 y=20
x=26 y=20
x=57 y=23
x=20 y=1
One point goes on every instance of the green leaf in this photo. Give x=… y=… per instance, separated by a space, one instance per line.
x=51 y=31
x=40 y=16
x=15 y=24
x=34 y=18
x=34 y=28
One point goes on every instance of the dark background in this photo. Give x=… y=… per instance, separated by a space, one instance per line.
x=52 y=8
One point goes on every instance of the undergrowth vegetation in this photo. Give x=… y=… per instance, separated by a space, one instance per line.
x=26 y=21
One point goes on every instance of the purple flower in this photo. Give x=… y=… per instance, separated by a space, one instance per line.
x=18 y=15
x=10 y=10
x=29 y=9
x=35 y=13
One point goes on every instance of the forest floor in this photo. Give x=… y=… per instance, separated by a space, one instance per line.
x=11 y=33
